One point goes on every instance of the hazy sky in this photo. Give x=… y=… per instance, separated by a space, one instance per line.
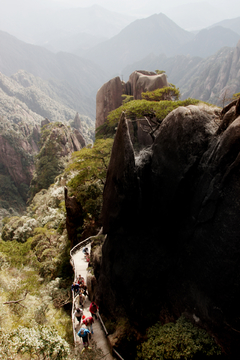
x=189 y=14
x=229 y=8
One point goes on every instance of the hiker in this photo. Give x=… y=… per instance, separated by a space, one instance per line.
x=82 y=299
x=79 y=300
x=83 y=286
x=88 y=322
x=75 y=288
x=93 y=308
x=86 y=254
x=87 y=257
x=78 y=313
x=79 y=279
x=83 y=333
x=85 y=249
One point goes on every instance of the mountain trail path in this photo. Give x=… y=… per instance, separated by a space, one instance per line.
x=98 y=338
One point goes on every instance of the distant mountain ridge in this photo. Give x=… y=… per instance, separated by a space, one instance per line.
x=78 y=76
x=148 y=44
x=214 y=79
x=42 y=24
x=93 y=20
x=36 y=102
x=25 y=108
x=232 y=24
x=208 y=41
x=75 y=44
x=156 y=33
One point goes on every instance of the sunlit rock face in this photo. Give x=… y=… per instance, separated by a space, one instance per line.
x=142 y=81
x=171 y=216
x=109 y=96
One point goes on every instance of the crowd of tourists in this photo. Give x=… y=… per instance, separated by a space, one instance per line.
x=79 y=289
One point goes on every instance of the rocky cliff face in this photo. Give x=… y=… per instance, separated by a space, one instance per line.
x=13 y=160
x=109 y=96
x=24 y=100
x=58 y=142
x=216 y=78
x=19 y=143
x=171 y=216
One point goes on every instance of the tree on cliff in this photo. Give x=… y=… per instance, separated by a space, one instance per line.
x=180 y=340
x=166 y=93
x=150 y=112
x=90 y=166
x=48 y=161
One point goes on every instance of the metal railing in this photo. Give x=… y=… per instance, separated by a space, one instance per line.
x=106 y=333
x=75 y=249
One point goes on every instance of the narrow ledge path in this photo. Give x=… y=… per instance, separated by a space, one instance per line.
x=98 y=337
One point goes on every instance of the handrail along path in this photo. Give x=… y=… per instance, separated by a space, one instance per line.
x=74 y=251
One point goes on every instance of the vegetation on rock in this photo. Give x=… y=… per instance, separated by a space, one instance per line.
x=89 y=169
x=56 y=146
x=166 y=93
x=180 y=340
x=35 y=266
x=138 y=109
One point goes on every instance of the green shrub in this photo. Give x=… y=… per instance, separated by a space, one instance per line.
x=127 y=98
x=18 y=254
x=35 y=343
x=166 y=93
x=90 y=168
x=180 y=340
x=137 y=109
x=236 y=96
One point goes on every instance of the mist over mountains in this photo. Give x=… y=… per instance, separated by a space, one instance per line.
x=157 y=35
x=91 y=45
x=72 y=77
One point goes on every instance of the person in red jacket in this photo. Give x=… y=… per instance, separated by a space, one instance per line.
x=93 y=309
x=88 y=322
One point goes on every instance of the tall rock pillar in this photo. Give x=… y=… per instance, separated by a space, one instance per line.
x=109 y=97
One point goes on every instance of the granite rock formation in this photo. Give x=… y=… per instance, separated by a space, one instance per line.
x=109 y=96
x=171 y=215
x=74 y=218
x=58 y=142
x=141 y=81
x=13 y=160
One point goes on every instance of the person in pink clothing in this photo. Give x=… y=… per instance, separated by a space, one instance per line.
x=93 y=309
x=88 y=322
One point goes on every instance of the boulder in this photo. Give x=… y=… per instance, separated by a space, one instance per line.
x=109 y=96
x=171 y=215
x=142 y=81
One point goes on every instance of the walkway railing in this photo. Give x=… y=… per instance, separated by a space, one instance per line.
x=106 y=333
x=75 y=249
